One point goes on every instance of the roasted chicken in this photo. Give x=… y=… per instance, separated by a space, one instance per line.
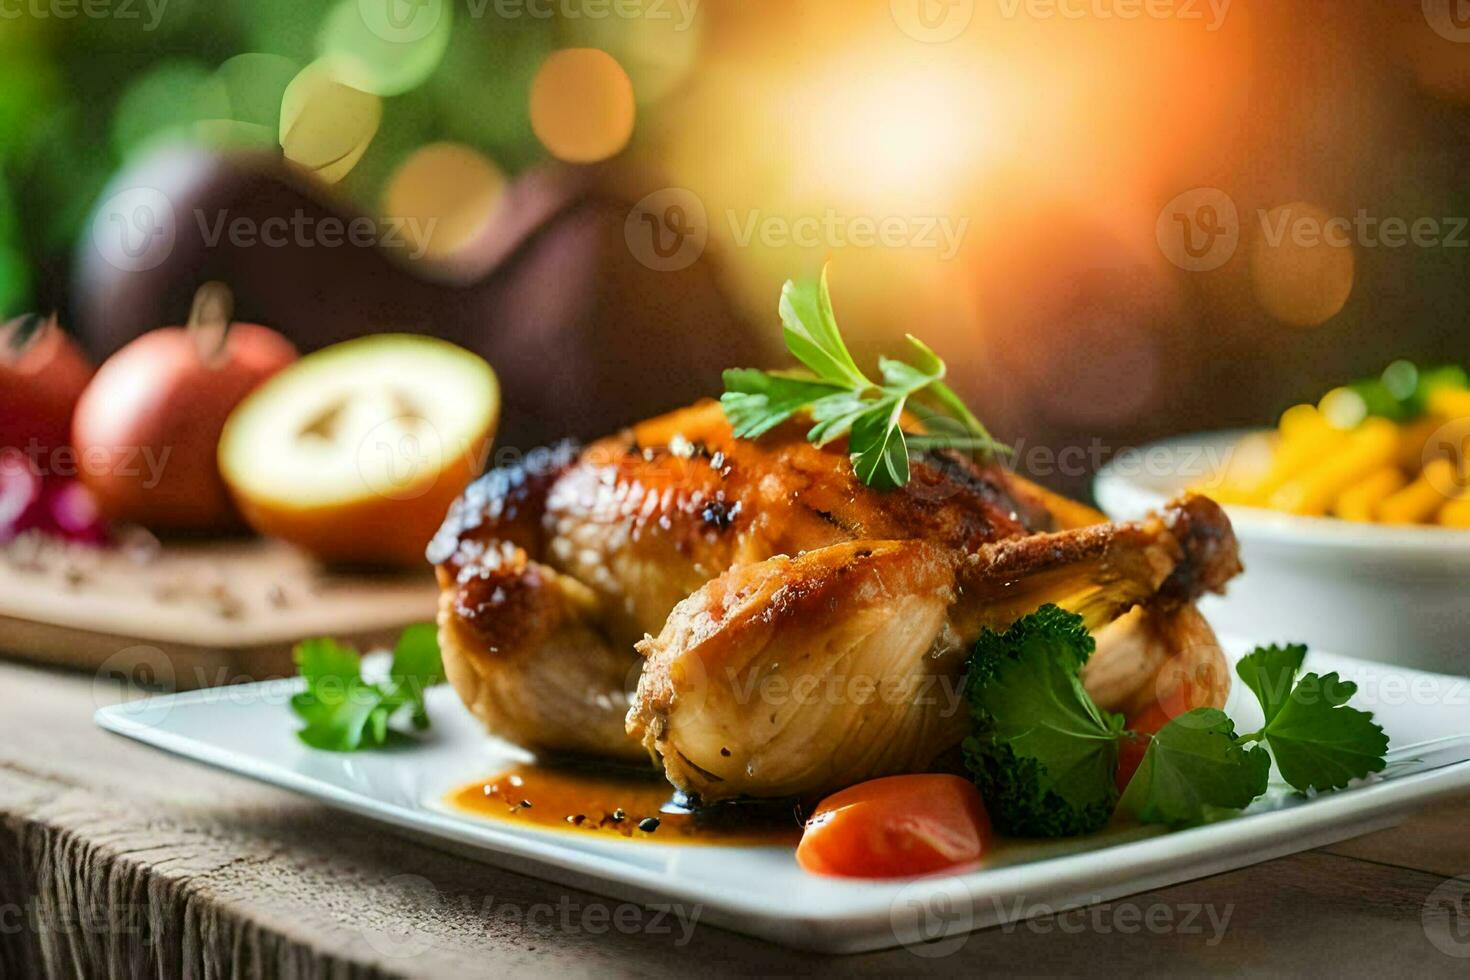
x=756 y=621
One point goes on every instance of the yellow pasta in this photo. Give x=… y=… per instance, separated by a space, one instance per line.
x=1359 y=501
x=1338 y=458
x=1412 y=439
x=1422 y=499
x=1456 y=513
x=1306 y=438
x=1370 y=447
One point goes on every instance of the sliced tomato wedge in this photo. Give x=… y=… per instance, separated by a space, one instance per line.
x=896 y=827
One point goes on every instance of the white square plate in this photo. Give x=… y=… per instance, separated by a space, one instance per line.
x=761 y=891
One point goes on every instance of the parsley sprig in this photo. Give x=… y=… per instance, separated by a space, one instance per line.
x=843 y=401
x=1045 y=756
x=343 y=712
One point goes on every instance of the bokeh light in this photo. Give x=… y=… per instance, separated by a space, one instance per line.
x=1302 y=264
x=326 y=126
x=372 y=47
x=655 y=42
x=582 y=105
x=443 y=195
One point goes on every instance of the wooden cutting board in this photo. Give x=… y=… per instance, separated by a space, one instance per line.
x=192 y=614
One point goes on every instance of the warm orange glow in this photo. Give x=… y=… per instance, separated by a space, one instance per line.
x=871 y=132
x=582 y=106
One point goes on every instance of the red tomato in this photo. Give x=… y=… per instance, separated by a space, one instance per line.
x=150 y=421
x=42 y=374
x=895 y=827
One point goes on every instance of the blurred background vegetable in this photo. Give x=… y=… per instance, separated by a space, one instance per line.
x=1114 y=224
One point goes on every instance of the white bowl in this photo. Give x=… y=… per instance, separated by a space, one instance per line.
x=1394 y=594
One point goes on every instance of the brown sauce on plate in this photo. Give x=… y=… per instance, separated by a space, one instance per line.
x=609 y=802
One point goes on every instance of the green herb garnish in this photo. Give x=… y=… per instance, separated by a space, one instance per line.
x=1193 y=765
x=1045 y=756
x=342 y=711
x=842 y=401
x=1318 y=741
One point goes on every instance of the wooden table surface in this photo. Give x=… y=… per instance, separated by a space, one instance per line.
x=117 y=860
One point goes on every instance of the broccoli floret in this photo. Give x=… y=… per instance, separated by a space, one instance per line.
x=1042 y=754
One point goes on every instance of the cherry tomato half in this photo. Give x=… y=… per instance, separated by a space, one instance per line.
x=895 y=827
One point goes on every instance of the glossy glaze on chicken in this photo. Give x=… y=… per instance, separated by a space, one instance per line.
x=756 y=621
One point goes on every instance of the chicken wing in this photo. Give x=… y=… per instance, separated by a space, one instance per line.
x=797 y=676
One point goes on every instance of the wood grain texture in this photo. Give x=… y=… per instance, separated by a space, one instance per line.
x=119 y=861
x=191 y=614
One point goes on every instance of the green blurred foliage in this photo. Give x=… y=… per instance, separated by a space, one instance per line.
x=81 y=97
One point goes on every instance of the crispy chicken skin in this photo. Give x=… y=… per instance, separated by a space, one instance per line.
x=768 y=625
